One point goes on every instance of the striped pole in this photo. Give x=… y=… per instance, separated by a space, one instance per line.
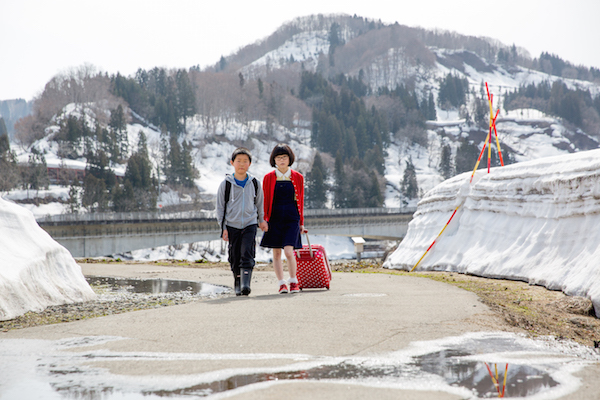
x=488 y=142
x=494 y=380
x=490 y=99
x=493 y=124
x=479 y=158
x=504 y=383
x=426 y=251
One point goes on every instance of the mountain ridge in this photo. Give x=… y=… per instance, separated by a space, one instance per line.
x=252 y=98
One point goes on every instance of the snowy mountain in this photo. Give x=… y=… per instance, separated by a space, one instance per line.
x=381 y=57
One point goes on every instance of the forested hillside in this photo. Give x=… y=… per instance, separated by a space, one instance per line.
x=379 y=114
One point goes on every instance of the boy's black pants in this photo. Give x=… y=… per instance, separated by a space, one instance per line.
x=242 y=247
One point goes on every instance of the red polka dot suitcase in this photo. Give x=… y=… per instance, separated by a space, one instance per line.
x=313 y=269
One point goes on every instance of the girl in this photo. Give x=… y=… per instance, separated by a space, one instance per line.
x=284 y=211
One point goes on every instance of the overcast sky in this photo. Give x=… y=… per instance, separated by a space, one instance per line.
x=41 y=38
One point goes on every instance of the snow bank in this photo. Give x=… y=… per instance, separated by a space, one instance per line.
x=35 y=271
x=535 y=221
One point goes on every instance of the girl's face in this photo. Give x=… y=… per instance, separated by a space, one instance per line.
x=282 y=162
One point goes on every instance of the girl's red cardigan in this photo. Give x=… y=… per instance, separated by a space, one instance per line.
x=269 y=189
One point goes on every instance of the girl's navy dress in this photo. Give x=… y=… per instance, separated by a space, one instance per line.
x=284 y=224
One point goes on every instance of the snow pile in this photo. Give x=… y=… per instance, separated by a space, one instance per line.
x=534 y=221
x=35 y=271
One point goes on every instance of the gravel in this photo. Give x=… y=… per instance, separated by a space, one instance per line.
x=108 y=303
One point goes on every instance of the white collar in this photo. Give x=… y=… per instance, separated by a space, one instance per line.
x=287 y=175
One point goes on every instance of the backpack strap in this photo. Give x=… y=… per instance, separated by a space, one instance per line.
x=255 y=182
x=227 y=196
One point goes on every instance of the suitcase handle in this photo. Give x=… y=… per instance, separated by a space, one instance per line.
x=309 y=247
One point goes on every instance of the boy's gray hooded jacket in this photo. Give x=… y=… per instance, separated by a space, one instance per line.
x=241 y=210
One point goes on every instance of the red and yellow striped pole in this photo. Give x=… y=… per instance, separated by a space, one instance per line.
x=494 y=380
x=504 y=383
x=487 y=138
x=490 y=133
x=488 y=142
x=493 y=125
x=440 y=234
x=479 y=158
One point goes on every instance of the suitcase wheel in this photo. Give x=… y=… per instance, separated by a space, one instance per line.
x=327 y=287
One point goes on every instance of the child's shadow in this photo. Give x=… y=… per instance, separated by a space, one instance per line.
x=262 y=297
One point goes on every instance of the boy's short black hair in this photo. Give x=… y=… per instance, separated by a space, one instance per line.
x=279 y=150
x=241 y=150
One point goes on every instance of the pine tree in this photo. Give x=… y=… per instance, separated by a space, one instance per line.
x=375 y=196
x=3 y=130
x=99 y=182
x=431 y=113
x=95 y=196
x=222 y=64
x=466 y=157
x=261 y=88
x=180 y=169
x=340 y=198
x=8 y=165
x=316 y=193
x=334 y=41
x=35 y=175
x=118 y=125
x=186 y=96
x=445 y=166
x=409 y=186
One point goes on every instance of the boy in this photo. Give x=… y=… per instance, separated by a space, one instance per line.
x=239 y=211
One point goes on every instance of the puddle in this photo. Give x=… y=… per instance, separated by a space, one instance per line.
x=155 y=286
x=465 y=365
x=522 y=381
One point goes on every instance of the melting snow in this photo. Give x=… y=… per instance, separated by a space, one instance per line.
x=534 y=221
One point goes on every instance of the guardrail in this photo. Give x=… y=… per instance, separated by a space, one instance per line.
x=126 y=216
x=358 y=211
x=203 y=214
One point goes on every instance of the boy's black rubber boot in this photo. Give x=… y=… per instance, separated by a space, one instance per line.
x=246 y=278
x=237 y=284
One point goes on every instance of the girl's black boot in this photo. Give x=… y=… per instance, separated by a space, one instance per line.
x=246 y=278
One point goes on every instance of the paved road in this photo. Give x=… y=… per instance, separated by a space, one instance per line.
x=362 y=315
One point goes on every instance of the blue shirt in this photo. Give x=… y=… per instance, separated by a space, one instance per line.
x=241 y=183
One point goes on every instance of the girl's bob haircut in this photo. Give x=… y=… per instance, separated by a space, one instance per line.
x=280 y=150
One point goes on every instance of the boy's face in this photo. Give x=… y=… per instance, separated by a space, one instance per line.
x=241 y=164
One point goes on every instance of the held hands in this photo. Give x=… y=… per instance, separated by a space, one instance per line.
x=264 y=226
x=302 y=229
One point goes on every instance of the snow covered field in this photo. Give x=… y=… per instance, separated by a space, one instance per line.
x=535 y=221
